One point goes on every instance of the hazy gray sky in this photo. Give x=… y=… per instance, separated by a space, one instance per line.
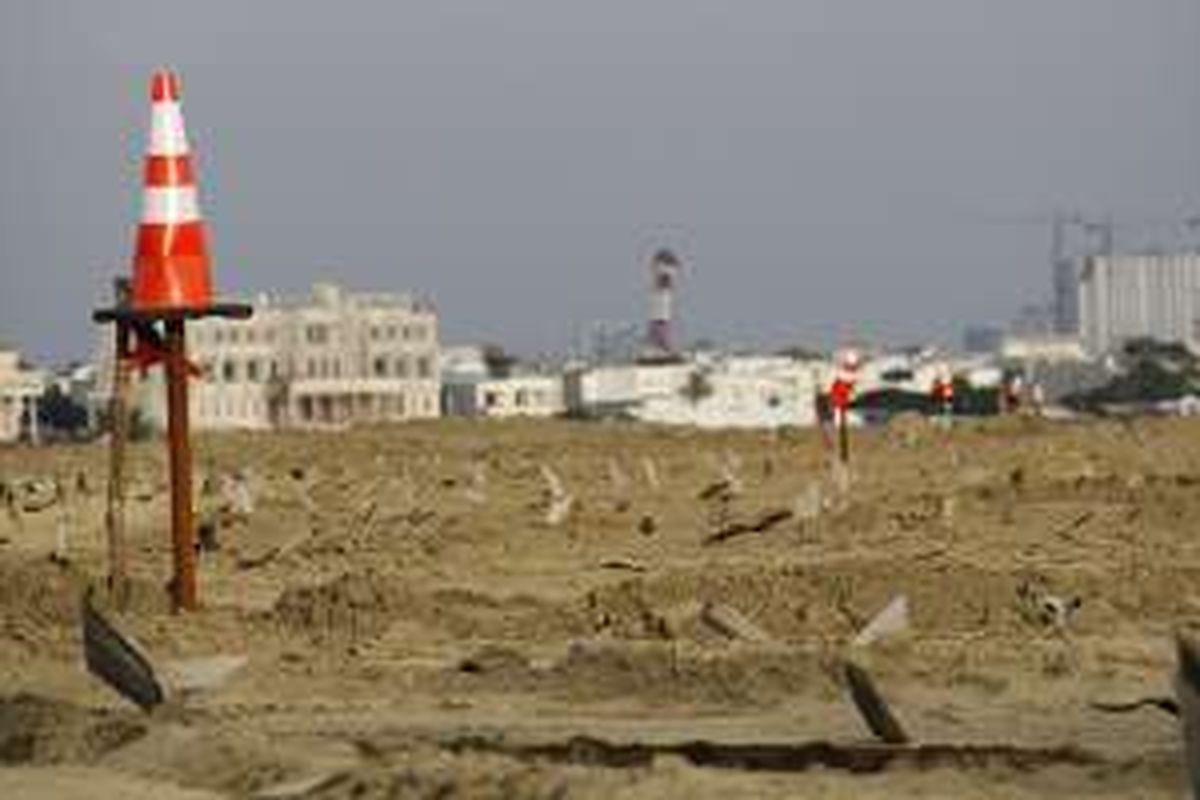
x=827 y=168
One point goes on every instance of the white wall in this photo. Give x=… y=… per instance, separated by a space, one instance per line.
x=516 y=396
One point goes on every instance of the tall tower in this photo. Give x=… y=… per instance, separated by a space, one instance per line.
x=664 y=269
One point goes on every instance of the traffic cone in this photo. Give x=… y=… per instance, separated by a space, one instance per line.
x=170 y=262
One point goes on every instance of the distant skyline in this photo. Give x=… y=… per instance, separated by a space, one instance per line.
x=827 y=169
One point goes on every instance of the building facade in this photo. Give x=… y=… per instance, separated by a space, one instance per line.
x=1133 y=296
x=332 y=359
x=531 y=395
x=21 y=389
x=1049 y=349
x=713 y=392
x=475 y=386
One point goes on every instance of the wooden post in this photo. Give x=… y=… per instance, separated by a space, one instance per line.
x=183 y=533
x=118 y=567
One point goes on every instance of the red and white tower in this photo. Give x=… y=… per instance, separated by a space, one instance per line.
x=664 y=268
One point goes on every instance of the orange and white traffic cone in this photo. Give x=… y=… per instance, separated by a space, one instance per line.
x=170 y=263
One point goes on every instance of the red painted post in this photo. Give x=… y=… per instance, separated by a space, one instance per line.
x=183 y=532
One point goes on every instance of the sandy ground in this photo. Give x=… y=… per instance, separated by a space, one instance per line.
x=416 y=626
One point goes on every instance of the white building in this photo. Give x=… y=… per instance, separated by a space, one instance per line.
x=733 y=392
x=1130 y=296
x=20 y=391
x=1048 y=348
x=621 y=389
x=473 y=387
x=513 y=396
x=333 y=359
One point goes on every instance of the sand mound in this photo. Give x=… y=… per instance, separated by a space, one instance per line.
x=352 y=606
x=41 y=592
x=364 y=604
x=37 y=730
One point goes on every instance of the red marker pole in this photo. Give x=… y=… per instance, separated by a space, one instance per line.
x=183 y=532
x=839 y=397
x=943 y=399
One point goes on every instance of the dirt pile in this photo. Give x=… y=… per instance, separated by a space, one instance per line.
x=37 y=730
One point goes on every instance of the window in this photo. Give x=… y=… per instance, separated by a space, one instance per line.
x=312 y=368
x=229 y=371
x=380 y=367
x=401 y=367
x=424 y=369
x=233 y=335
x=316 y=334
x=252 y=371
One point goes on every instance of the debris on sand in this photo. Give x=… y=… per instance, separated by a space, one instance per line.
x=732 y=624
x=891 y=620
x=808 y=504
x=871 y=705
x=557 y=500
x=8 y=495
x=650 y=472
x=298 y=788
x=39 y=494
x=494 y=659
x=476 y=488
x=721 y=490
x=205 y=674
x=117 y=661
x=1187 y=690
x=1168 y=705
x=237 y=496
x=1043 y=609
x=765 y=521
x=618 y=481
x=626 y=564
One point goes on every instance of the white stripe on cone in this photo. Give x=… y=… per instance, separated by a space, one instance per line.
x=166 y=205
x=167 y=135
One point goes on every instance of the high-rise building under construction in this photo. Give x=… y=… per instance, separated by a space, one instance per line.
x=1123 y=297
